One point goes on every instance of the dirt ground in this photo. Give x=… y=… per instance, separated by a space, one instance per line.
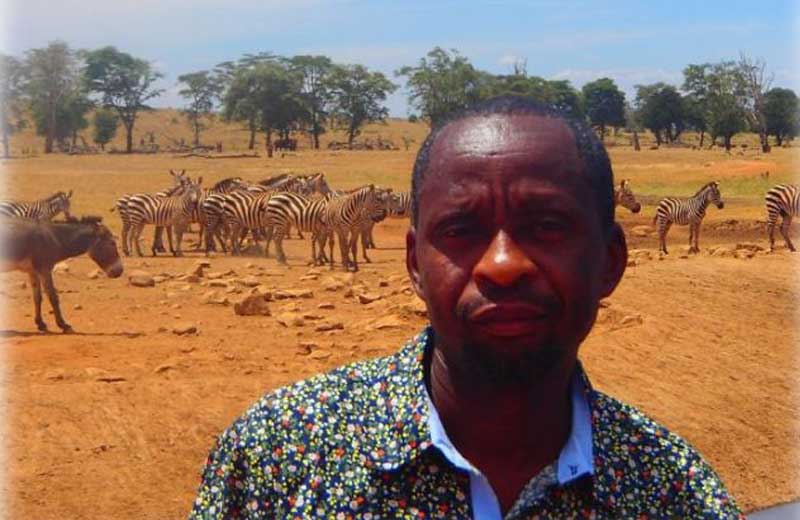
x=116 y=420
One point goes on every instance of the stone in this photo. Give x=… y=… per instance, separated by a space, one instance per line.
x=292 y=293
x=253 y=305
x=191 y=278
x=182 y=329
x=383 y=283
x=328 y=326
x=139 y=278
x=389 y=322
x=364 y=298
x=159 y=278
x=309 y=278
x=61 y=268
x=321 y=354
x=310 y=316
x=249 y=281
x=77 y=307
x=94 y=274
x=214 y=276
x=326 y=305
x=632 y=319
x=748 y=246
x=642 y=231
x=332 y=285
x=218 y=283
x=290 y=319
x=163 y=368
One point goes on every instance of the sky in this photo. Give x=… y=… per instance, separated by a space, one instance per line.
x=631 y=42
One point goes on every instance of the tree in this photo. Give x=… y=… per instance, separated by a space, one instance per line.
x=695 y=85
x=782 y=111
x=315 y=91
x=358 y=97
x=12 y=78
x=754 y=84
x=105 y=127
x=70 y=118
x=726 y=114
x=441 y=83
x=267 y=96
x=52 y=78
x=605 y=104
x=661 y=110
x=124 y=84
x=202 y=90
x=558 y=94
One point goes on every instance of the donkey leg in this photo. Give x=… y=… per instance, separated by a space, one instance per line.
x=37 y=301
x=53 y=296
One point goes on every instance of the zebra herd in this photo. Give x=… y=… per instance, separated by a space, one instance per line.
x=268 y=210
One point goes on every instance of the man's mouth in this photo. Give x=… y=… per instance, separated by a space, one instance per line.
x=508 y=320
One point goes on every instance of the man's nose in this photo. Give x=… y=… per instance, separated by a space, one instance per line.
x=504 y=263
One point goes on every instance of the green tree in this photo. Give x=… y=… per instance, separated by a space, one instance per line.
x=358 y=98
x=441 y=83
x=315 y=91
x=754 y=84
x=70 y=118
x=124 y=84
x=695 y=85
x=52 y=79
x=782 y=110
x=12 y=80
x=558 y=94
x=105 y=127
x=605 y=104
x=726 y=115
x=661 y=110
x=202 y=90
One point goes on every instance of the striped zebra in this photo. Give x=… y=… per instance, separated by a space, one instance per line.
x=399 y=206
x=44 y=209
x=243 y=211
x=347 y=216
x=682 y=212
x=226 y=185
x=782 y=201
x=170 y=212
x=623 y=196
x=121 y=207
x=308 y=214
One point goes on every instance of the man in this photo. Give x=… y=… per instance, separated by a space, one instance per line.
x=487 y=413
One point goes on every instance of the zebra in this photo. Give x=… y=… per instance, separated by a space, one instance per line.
x=346 y=216
x=44 y=209
x=398 y=206
x=242 y=211
x=226 y=185
x=306 y=214
x=782 y=201
x=623 y=196
x=682 y=212
x=121 y=207
x=173 y=212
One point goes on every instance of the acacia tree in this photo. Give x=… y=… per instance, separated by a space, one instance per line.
x=441 y=83
x=52 y=78
x=661 y=110
x=782 y=110
x=695 y=86
x=358 y=97
x=202 y=90
x=11 y=98
x=314 y=72
x=70 y=118
x=726 y=115
x=105 y=127
x=605 y=104
x=559 y=94
x=124 y=84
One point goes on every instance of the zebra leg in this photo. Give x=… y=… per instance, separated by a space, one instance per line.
x=342 y=249
x=696 y=248
x=663 y=228
x=180 y=228
x=37 y=301
x=137 y=237
x=354 y=250
x=365 y=232
x=787 y=221
x=771 y=234
x=269 y=234
x=52 y=295
x=279 y=246
x=124 y=238
x=158 y=240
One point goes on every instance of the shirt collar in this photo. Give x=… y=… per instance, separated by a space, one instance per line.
x=408 y=408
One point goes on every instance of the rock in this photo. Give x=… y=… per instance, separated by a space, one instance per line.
x=218 y=283
x=745 y=254
x=309 y=278
x=176 y=305
x=55 y=375
x=349 y=293
x=328 y=325
x=253 y=305
x=263 y=290
x=290 y=319
x=182 y=329
x=214 y=276
x=326 y=305
x=163 y=368
x=61 y=268
x=383 y=283
x=305 y=348
x=332 y=285
x=364 y=298
x=162 y=329
x=313 y=272
x=293 y=293
x=77 y=307
x=249 y=281
x=111 y=378
x=417 y=307
x=321 y=354
x=191 y=278
x=389 y=322
x=94 y=274
x=748 y=246
x=632 y=319
x=632 y=262
x=310 y=316
x=159 y=278
x=233 y=290
x=139 y=278
x=723 y=251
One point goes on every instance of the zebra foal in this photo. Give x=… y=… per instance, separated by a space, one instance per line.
x=44 y=209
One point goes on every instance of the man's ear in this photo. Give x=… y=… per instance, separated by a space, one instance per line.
x=616 y=260
x=411 y=262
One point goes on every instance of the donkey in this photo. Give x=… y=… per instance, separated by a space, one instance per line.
x=36 y=246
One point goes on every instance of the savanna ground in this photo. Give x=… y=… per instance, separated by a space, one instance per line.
x=116 y=420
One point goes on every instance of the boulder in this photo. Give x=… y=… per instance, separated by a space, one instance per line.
x=182 y=329
x=364 y=298
x=253 y=305
x=328 y=325
x=290 y=319
x=389 y=322
x=139 y=278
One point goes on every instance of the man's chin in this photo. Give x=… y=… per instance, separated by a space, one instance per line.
x=511 y=360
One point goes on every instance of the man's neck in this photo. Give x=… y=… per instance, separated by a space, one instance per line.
x=508 y=432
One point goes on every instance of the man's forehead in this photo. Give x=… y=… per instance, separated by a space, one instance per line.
x=500 y=134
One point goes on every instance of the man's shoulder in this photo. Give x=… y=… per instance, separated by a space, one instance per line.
x=639 y=460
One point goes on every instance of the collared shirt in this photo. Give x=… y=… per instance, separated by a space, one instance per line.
x=574 y=461
x=356 y=443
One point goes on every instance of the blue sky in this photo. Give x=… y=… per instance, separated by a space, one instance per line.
x=631 y=42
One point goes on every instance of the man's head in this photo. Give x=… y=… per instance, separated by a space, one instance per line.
x=513 y=240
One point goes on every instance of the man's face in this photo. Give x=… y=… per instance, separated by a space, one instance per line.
x=509 y=251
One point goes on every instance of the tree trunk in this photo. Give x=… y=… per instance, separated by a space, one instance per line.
x=128 y=137
x=658 y=137
x=197 y=134
x=51 y=131
x=636 y=142
x=6 y=151
x=778 y=140
x=103 y=146
x=252 y=142
x=316 y=139
x=765 y=148
x=702 y=136
x=351 y=136
x=74 y=139
x=728 y=142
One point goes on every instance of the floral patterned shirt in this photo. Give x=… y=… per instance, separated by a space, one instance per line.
x=355 y=443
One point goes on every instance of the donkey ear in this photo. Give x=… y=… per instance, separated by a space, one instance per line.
x=69 y=195
x=200 y=180
x=172 y=172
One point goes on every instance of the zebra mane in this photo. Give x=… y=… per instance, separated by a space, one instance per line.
x=705 y=187
x=56 y=195
x=271 y=181
x=225 y=182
